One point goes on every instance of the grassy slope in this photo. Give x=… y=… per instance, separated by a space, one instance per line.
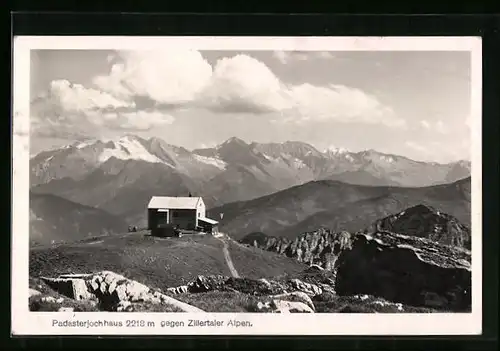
x=156 y=262
x=161 y=263
x=256 y=263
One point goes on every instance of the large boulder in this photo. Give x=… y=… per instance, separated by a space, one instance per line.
x=411 y=270
x=297 y=296
x=427 y=222
x=254 y=286
x=113 y=291
x=74 y=287
x=308 y=288
x=206 y=283
x=282 y=306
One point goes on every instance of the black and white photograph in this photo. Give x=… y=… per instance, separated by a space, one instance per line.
x=308 y=177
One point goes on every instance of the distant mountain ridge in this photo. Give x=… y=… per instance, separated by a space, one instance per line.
x=336 y=206
x=119 y=175
x=56 y=220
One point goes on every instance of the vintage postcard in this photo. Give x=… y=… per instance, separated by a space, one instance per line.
x=246 y=186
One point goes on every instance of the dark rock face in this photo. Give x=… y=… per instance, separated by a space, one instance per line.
x=410 y=270
x=427 y=222
x=320 y=247
x=258 y=287
x=207 y=283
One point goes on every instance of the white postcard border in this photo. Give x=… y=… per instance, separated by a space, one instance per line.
x=25 y=322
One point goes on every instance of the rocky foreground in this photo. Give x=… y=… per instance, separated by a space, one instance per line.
x=363 y=272
x=407 y=269
x=108 y=291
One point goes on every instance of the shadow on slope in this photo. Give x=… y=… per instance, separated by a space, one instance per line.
x=54 y=219
x=336 y=205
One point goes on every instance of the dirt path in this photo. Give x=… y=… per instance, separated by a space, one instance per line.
x=227 y=257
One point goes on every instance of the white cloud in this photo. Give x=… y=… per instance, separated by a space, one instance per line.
x=238 y=84
x=468 y=121
x=289 y=56
x=416 y=146
x=69 y=110
x=164 y=76
x=138 y=120
x=77 y=98
x=425 y=124
x=325 y=54
x=244 y=83
x=438 y=126
x=281 y=56
x=441 y=128
x=339 y=103
x=208 y=145
x=185 y=79
x=449 y=150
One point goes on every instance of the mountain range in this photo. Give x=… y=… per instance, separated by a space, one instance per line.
x=337 y=206
x=120 y=175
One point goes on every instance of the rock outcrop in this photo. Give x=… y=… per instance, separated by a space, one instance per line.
x=406 y=269
x=283 y=306
x=426 y=222
x=320 y=248
x=256 y=287
x=296 y=296
x=430 y=267
x=112 y=291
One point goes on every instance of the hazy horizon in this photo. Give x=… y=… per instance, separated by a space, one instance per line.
x=414 y=104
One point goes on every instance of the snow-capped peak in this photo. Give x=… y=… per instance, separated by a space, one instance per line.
x=336 y=150
x=128 y=148
x=85 y=143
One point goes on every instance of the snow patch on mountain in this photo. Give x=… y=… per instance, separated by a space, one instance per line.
x=129 y=149
x=388 y=159
x=267 y=157
x=211 y=161
x=298 y=163
x=336 y=150
x=84 y=144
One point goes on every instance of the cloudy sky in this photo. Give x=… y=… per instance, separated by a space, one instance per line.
x=415 y=104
